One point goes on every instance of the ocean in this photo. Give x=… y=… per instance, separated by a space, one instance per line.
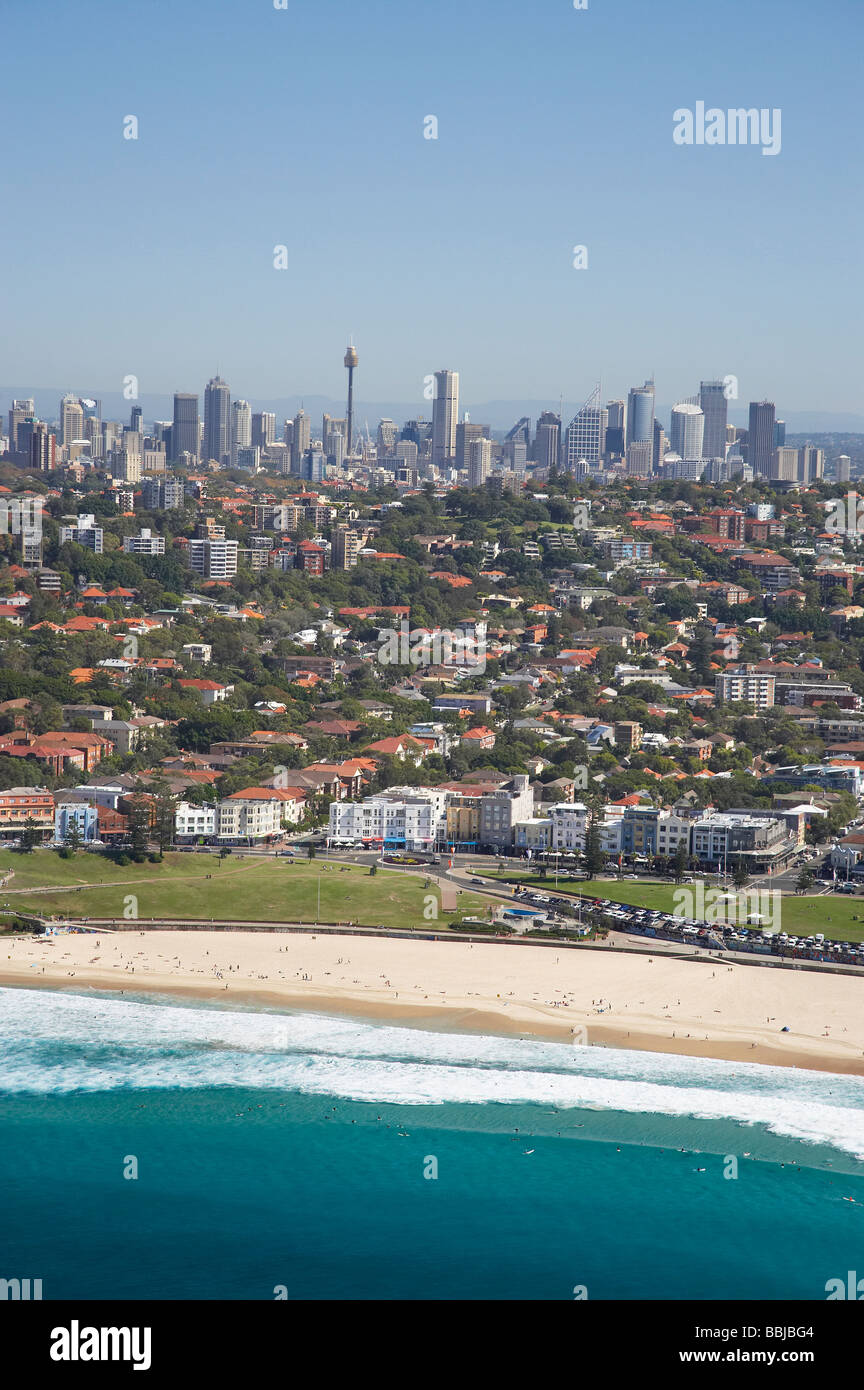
x=153 y=1149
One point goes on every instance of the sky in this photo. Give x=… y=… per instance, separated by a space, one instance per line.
x=303 y=127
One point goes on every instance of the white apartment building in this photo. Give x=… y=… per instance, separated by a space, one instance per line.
x=244 y=816
x=145 y=543
x=740 y=683
x=569 y=824
x=192 y=822
x=405 y=822
x=213 y=558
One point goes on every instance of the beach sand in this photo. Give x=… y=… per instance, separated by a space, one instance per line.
x=703 y=1008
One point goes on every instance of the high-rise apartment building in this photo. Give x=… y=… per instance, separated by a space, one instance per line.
x=346 y=545
x=213 y=559
x=480 y=462
x=71 y=420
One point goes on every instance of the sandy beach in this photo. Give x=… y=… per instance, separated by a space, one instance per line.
x=704 y=1008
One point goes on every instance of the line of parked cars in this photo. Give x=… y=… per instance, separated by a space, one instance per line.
x=716 y=936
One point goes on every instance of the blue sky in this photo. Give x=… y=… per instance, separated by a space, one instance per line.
x=304 y=127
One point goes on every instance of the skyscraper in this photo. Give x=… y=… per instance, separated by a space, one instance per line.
x=185 y=429
x=445 y=412
x=300 y=441
x=640 y=413
x=480 y=461
x=686 y=429
x=714 y=406
x=21 y=410
x=842 y=468
x=466 y=432
x=616 y=428
x=760 y=442
x=584 y=438
x=241 y=428
x=263 y=429
x=71 y=420
x=387 y=433
x=217 y=421
x=547 y=441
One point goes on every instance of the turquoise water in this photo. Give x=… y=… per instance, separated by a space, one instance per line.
x=290 y=1151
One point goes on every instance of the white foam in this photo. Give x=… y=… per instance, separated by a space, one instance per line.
x=61 y=1043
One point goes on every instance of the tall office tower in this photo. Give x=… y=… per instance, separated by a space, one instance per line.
x=93 y=435
x=445 y=415
x=263 y=428
x=640 y=412
x=21 y=410
x=314 y=465
x=811 y=464
x=640 y=455
x=241 y=428
x=184 y=430
x=466 y=432
x=842 y=468
x=43 y=445
x=136 y=419
x=346 y=544
x=547 y=441
x=714 y=406
x=301 y=438
x=387 y=432
x=217 y=421
x=760 y=438
x=616 y=429
x=479 y=462
x=351 y=360
x=779 y=433
x=661 y=446
x=783 y=465
x=520 y=434
x=584 y=438
x=334 y=447
x=71 y=421
x=686 y=430
x=406 y=450
x=514 y=455
x=126 y=465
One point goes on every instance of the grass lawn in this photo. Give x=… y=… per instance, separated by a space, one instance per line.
x=233 y=889
x=830 y=913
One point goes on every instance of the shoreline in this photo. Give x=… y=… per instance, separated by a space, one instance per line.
x=482 y=988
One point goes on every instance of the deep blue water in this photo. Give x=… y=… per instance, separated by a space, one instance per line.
x=289 y=1150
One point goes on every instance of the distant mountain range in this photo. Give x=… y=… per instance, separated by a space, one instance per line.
x=499 y=415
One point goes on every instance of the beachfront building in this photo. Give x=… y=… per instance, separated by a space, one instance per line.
x=194 y=822
x=249 y=815
x=569 y=826
x=406 y=818
x=20 y=805
x=69 y=814
x=501 y=809
x=534 y=835
x=723 y=840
